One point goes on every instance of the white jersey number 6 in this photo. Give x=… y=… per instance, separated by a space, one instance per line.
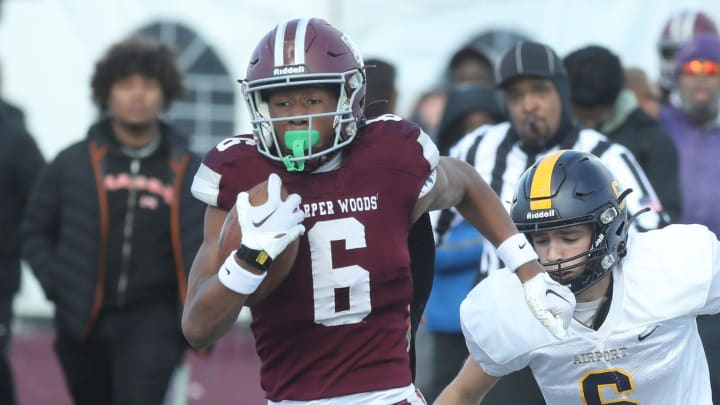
x=329 y=281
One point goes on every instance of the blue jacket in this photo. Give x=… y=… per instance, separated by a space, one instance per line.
x=457 y=262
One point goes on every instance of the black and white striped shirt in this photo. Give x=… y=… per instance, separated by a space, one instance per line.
x=497 y=156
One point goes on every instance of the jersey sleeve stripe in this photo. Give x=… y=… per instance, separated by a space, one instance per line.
x=430 y=151
x=206 y=185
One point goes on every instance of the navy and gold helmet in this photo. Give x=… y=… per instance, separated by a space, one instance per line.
x=567 y=188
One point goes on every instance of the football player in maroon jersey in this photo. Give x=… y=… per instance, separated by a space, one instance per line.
x=336 y=328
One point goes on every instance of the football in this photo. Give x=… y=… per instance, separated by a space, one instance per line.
x=230 y=237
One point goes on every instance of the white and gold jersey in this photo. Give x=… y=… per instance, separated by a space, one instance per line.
x=647 y=351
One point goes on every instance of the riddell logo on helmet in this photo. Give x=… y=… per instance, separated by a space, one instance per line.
x=541 y=214
x=290 y=70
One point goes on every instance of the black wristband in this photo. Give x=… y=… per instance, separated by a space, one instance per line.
x=259 y=259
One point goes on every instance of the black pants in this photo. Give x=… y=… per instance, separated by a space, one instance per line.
x=709 y=328
x=448 y=356
x=127 y=360
x=7 y=387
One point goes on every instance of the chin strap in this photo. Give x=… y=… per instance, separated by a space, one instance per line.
x=632 y=218
x=604 y=309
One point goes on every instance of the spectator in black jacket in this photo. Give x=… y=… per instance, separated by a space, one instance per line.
x=111 y=230
x=600 y=101
x=20 y=162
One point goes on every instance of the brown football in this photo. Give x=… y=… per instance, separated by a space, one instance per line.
x=230 y=236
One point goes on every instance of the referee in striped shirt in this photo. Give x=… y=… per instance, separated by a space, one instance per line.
x=537 y=94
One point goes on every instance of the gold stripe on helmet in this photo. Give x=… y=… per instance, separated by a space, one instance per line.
x=616 y=190
x=540 y=188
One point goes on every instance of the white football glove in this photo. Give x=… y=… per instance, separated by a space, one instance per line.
x=273 y=225
x=552 y=303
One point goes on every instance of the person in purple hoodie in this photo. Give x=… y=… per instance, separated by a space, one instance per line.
x=693 y=120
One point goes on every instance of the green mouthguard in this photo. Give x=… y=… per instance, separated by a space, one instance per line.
x=297 y=142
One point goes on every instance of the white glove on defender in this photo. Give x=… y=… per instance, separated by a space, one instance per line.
x=273 y=225
x=552 y=303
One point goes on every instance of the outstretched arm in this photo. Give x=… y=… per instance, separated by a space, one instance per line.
x=458 y=184
x=469 y=386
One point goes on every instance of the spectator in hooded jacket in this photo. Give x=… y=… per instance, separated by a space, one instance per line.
x=692 y=119
x=457 y=256
x=470 y=103
x=472 y=64
x=111 y=230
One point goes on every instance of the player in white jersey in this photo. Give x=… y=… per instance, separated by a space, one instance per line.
x=633 y=338
x=537 y=95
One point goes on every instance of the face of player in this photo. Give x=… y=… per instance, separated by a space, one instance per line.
x=560 y=244
x=136 y=101
x=535 y=109
x=300 y=102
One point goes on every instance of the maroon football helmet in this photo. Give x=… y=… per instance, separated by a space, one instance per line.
x=302 y=52
x=678 y=30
